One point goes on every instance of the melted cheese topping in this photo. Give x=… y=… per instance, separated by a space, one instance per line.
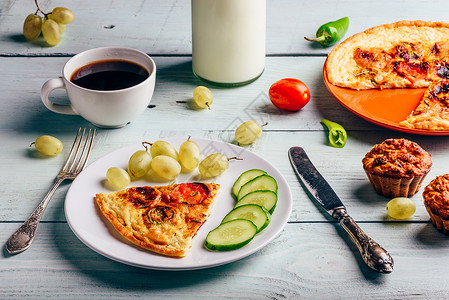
x=161 y=219
x=375 y=58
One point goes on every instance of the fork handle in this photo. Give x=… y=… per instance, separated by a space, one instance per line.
x=23 y=237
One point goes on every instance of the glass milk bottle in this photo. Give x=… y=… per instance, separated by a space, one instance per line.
x=228 y=40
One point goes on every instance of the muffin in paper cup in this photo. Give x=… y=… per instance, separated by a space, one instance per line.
x=436 y=201
x=397 y=167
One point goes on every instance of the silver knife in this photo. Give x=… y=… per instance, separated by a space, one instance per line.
x=376 y=257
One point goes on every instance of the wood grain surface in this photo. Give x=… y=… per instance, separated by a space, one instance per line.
x=312 y=258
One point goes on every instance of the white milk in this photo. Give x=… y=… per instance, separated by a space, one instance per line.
x=228 y=40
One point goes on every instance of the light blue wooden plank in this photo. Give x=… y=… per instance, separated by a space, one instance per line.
x=172 y=98
x=163 y=27
x=306 y=261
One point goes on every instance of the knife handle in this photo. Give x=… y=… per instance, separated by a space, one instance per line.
x=376 y=257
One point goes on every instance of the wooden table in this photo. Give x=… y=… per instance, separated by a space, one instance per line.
x=311 y=258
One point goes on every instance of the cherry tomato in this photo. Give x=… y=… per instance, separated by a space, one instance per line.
x=289 y=94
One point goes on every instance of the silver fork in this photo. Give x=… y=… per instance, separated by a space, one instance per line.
x=76 y=162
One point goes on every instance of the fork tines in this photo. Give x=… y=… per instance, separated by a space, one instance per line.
x=76 y=163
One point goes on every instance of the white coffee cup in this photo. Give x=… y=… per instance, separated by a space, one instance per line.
x=109 y=109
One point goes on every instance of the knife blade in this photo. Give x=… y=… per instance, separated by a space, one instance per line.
x=375 y=257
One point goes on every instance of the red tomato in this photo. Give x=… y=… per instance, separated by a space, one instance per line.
x=289 y=94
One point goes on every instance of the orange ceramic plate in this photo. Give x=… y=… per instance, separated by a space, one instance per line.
x=385 y=107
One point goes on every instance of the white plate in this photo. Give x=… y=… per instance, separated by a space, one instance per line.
x=89 y=225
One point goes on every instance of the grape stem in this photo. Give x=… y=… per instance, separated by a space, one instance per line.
x=40 y=10
x=235 y=157
x=145 y=145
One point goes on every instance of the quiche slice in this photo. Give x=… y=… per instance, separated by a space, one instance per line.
x=162 y=219
x=433 y=110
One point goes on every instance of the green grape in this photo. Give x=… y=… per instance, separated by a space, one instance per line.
x=248 y=132
x=61 y=26
x=163 y=148
x=48 y=145
x=118 y=177
x=32 y=27
x=62 y=15
x=401 y=208
x=213 y=165
x=166 y=167
x=203 y=97
x=50 y=31
x=139 y=163
x=189 y=155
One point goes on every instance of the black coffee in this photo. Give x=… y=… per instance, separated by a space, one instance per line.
x=109 y=75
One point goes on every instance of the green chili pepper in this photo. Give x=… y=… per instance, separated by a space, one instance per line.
x=329 y=33
x=337 y=134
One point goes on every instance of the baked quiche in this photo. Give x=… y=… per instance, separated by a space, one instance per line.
x=405 y=54
x=162 y=219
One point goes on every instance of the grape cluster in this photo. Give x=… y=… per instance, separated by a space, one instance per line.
x=51 y=25
x=167 y=163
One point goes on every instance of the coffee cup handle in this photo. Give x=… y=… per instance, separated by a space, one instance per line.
x=47 y=88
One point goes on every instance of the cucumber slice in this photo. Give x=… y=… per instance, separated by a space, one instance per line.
x=244 y=178
x=263 y=182
x=252 y=212
x=266 y=199
x=231 y=235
